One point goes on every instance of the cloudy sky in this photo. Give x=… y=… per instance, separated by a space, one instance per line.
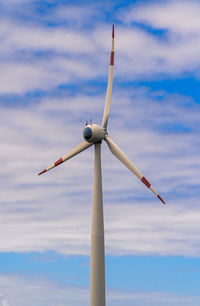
x=54 y=60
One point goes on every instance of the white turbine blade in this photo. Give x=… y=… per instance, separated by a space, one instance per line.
x=78 y=149
x=126 y=161
x=109 y=87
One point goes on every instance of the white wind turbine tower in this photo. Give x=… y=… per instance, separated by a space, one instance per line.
x=93 y=135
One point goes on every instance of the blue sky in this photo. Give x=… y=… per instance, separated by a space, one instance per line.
x=54 y=59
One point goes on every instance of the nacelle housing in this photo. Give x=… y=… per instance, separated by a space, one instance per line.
x=93 y=133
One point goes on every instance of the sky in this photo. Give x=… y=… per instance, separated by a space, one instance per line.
x=54 y=61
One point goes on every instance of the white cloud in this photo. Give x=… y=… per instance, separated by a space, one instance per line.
x=3 y=301
x=35 y=56
x=175 y=52
x=177 y=16
x=65 y=55
x=21 y=291
x=39 y=57
x=39 y=292
x=43 y=38
x=76 y=16
x=142 y=55
x=44 y=74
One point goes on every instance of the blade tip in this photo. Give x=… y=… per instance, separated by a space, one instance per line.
x=159 y=197
x=43 y=171
x=113 y=31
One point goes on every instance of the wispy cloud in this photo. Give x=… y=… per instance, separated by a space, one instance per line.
x=36 y=55
x=39 y=291
x=176 y=16
x=174 y=52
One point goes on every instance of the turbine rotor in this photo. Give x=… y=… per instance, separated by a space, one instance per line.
x=93 y=133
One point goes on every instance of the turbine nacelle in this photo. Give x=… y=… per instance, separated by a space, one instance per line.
x=93 y=133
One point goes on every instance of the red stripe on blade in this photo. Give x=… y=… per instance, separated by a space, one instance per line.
x=58 y=162
x=113 y=31
x=112 y=58
x=144 y=180
x=161 y=199
x=42 y=172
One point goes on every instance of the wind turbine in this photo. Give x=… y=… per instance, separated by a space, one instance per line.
x=93 y=134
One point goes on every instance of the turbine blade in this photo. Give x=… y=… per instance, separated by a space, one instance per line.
x=126 y=161
x=78 y=149
x=109 y=87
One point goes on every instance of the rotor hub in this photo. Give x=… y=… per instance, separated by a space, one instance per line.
x=93 y=133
